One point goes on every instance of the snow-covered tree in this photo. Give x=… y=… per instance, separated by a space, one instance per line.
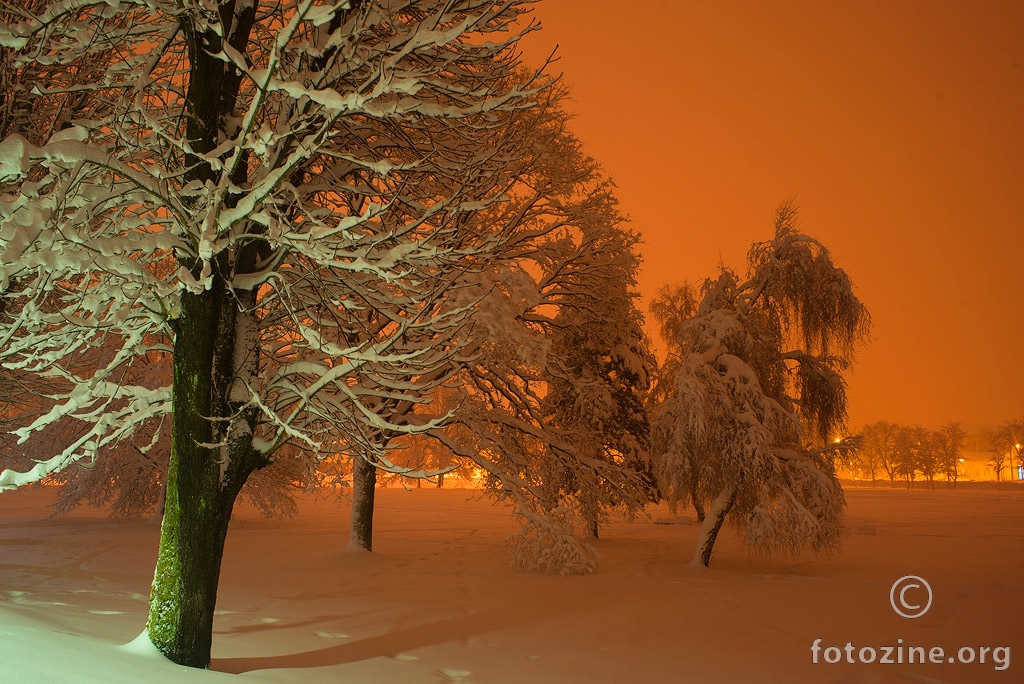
x=597 y=377
x=1008 y=438
x=870 y=456
x=555 y=363
x=749 y=426
x=927 y=453
x=949 y=442
x=849 y=458
x=126 y=477
x=253 y=185
x=40 y=97
x=880 y=447
x=545 y=206
x=906 y=451
x=672 y=309
x=998 y=461
x=551 y=410
x=912 y=452
x=35 y=116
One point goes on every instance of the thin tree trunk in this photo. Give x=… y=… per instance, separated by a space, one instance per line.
x=591 y=515
x=161 y=502
x=695 y=500
x=440 y=480
x=364 y=482
x=694 y=497
x=548 y=494
x=712 y=524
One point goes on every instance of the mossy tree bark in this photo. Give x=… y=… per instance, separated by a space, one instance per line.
x=216 y=346
x=202 y=481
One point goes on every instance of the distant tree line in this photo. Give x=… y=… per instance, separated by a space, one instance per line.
x=1006 y=444
x=907 y=453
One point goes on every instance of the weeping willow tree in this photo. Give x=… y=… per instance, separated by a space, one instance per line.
x=753 y=396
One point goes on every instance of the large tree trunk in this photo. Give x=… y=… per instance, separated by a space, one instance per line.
x=184 y=592
x=364 y=482
x=214 y=344
x=712 y=524
x=215 y=347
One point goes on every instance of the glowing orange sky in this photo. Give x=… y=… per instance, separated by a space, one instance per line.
x=899 y=129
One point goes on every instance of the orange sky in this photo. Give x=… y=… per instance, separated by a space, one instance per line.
x=899 y=129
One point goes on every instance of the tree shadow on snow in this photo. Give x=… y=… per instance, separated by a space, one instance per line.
x=459 y=628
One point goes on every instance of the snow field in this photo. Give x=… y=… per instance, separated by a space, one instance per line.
x=436 y=601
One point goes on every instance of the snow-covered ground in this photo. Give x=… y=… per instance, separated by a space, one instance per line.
x=436 y=601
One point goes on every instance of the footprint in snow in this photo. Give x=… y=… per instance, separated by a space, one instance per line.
x=404 y=657
x=331 y=635
x=455 y=675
